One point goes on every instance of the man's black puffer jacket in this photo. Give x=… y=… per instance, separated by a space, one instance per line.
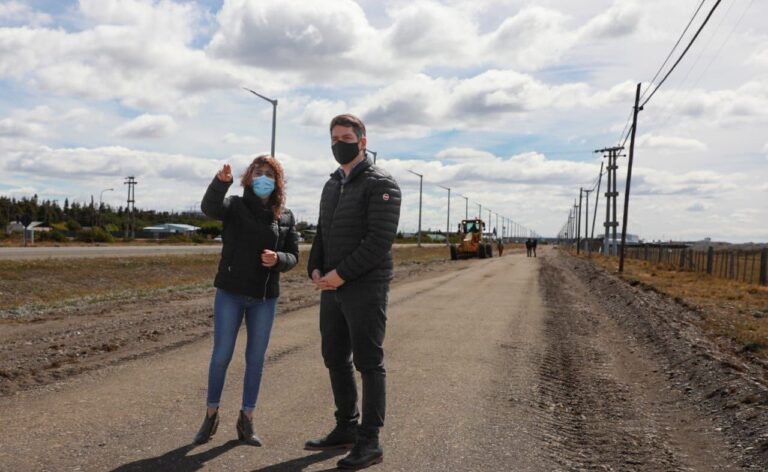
x=357 y=225
x=249 y=228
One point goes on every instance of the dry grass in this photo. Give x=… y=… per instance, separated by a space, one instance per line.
x=732 y=310
x=54 y=281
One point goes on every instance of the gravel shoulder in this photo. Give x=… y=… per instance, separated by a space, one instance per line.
x=678 y=400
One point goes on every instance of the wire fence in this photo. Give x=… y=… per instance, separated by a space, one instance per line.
x=742 y=265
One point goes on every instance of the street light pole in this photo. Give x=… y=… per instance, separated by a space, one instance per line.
x=100 y=199
x=274 y=116
x=448 y=220
x=466 y=207
x=421 y=180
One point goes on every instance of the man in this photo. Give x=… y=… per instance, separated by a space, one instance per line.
x=351 y=262
x=534 y=243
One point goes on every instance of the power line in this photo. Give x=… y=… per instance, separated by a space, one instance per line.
x=706 y=20
x=695 y=13
x=669 y=112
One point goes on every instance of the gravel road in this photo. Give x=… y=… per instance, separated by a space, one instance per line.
x=505 y=364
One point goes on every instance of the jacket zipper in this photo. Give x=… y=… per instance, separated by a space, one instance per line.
x=338 y=201
x=264 y=298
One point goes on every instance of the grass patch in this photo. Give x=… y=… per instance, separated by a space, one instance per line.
x=733 y=310
x=49 y=283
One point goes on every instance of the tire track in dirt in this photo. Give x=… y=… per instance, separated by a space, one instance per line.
x=600 y=402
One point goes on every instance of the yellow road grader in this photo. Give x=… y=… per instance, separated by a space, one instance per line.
x=473 y=243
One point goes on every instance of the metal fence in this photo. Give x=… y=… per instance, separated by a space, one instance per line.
x=743 y=265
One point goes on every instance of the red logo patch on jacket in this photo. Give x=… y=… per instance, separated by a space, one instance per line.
x=385 y=197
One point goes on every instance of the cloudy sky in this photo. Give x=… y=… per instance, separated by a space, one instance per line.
x=503 y=101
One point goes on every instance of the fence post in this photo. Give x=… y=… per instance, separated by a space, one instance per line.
x=732 y=266
x=682 y=259
x=710 y=259
x=764 y=267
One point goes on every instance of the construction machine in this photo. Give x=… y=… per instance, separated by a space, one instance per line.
x=473 y=243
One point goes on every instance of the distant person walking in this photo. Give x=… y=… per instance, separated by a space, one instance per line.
x=528 y=247
x=500 y=247
x=351 y=262
x=534 y=243
x=259 y=242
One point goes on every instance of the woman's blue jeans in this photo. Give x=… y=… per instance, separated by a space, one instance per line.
x=228 y=311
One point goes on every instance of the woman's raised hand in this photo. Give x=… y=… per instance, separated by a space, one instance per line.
x=225 y=174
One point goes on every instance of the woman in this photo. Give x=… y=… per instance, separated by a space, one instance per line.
x=259 y=242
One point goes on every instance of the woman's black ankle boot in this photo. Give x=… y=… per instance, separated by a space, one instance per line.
x=245 y=430
x=208 y=428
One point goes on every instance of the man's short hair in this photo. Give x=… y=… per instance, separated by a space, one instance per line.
x=350 y=121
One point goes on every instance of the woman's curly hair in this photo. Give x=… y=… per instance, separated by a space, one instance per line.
x=276 y=200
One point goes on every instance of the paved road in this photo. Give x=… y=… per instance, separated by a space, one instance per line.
x=45 y=252
x=482 y=376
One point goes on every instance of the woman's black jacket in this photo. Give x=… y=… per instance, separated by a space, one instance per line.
x=249 y=228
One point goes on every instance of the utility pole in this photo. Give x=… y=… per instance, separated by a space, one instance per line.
x=466 y=207
x=448 y=222
x=629 y=177
x=597 y=199
x=578 y=223
x=421 y=180
x=575 y=232
x=586 y=223
x=130 y=230
x=611 y=193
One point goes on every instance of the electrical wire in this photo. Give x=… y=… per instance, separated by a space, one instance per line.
x=685 y=51
x=665 y=118
x=672 y=51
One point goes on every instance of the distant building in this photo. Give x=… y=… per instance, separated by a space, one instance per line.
x=631 y=239
x=34 y=227
x=436 y=237
x=172 y=228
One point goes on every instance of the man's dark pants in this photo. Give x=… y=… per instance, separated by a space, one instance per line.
x=352 y=325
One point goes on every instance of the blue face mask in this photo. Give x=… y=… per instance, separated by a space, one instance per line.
x=263 y=186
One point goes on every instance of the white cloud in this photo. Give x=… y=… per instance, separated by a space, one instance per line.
x=459 y=154
x=315 y=39
x=10 y=127
x=15 y=12
x=621 y=19
x=232 y=138
x=698 y=207
x=534 y=37
x=418 y=32
x=147 y=126
x=651 y=141
x=137 y=52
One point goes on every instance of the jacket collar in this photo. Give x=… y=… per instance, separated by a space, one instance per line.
x=256 y=205
x=338 y=174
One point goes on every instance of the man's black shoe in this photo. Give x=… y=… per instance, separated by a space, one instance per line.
x=342 y=437
x=367 y=451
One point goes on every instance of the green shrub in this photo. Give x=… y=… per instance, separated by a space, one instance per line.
x=73 y=225
x=56 y=235
x=95 y=235
x=178 y=238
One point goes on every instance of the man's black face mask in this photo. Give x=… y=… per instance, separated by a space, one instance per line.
x=345 y=152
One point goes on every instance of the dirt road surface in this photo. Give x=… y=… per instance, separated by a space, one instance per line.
x=111 y=250
x=506 y=364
